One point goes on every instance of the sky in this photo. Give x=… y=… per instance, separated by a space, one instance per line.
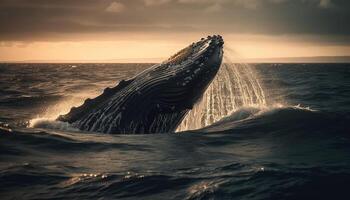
x=151 y=30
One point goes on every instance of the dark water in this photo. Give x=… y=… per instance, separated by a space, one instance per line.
x=286 y=152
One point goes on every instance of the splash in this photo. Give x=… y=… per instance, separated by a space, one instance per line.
x=236 y=85
x=47 y=119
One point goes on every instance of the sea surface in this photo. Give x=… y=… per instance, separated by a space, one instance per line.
x=292 y=143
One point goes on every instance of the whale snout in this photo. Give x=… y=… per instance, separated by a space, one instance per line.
x=205 y=61
x=217 y=40
x=215 y=51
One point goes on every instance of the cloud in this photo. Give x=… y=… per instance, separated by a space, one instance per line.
x=247 y=4
x=253 y=4
x=59 y=20
x=218 y=4
x=278 y=1
x=203 y=1
x=116 y=7
x=214 y=8
x=325 y=3
x=156 y=2
x=319 y=3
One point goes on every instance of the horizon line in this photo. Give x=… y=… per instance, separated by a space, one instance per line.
x=298 y=59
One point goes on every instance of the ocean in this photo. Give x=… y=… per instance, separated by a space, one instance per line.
x=261 y=131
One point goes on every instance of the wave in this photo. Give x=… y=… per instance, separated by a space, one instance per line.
x=230 y=181
x=250 y=119
x=229 y=159
x=50 y=123
x=238 y=116
x=29 y=141
x=280 y=118
x=25 y=100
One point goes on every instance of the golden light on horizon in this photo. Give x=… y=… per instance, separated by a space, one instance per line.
x=155 y=50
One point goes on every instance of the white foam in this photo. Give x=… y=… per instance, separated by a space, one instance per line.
x=236 y=86
x=51 y=124
x=47 y=119
x=236 y=93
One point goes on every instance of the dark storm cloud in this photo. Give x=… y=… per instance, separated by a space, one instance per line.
x=59 y=19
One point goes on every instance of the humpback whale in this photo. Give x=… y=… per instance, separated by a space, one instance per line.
x=157 y=99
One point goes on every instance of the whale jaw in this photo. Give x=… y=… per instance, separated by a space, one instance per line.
x=157 y=99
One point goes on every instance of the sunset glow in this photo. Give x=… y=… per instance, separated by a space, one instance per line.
x=150 y=30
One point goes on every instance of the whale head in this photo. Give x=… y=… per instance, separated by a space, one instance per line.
x=188 y=73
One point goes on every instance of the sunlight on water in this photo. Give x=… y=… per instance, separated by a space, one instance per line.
x=79 y=178
x=200 y=189
x=236 y=85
